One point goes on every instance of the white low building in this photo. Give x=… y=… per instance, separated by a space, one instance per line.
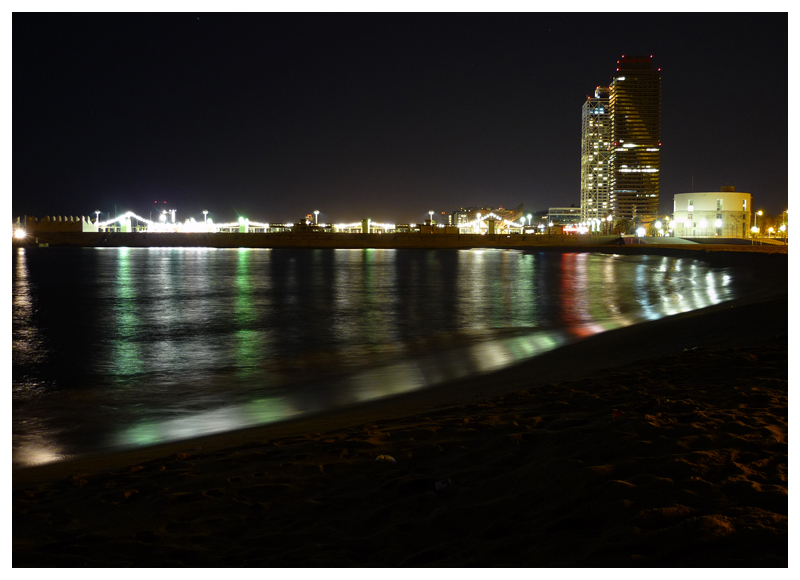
x=724 y=214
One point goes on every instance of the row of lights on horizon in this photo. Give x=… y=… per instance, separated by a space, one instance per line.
x=172 y=212
x=19 y=233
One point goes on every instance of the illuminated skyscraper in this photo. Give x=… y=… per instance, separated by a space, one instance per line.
x=595 y=154
x=635 y=103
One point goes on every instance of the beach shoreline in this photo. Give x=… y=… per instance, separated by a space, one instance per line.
x=659 y=444
x=606 y=350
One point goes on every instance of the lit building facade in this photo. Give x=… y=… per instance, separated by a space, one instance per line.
x=635 y=104
x=595 y=155
x=465 y=215
x=724 y=213
x=460 y=217
x=564 y=215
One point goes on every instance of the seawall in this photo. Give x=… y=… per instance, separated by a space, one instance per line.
x=717 y=254
x=315 y=240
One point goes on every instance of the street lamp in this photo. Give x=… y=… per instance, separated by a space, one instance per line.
x=205 y=216
x=431 y=214
x=755 y=220
x=316 y=216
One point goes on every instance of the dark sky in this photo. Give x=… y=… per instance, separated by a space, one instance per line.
x=272 y=116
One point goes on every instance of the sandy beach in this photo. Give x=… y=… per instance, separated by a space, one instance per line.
x=663 y=444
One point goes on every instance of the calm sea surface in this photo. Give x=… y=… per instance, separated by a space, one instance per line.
x=123 y=347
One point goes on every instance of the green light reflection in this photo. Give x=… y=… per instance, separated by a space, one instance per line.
x=248 y=342
x=127 y=355
x=256 y=412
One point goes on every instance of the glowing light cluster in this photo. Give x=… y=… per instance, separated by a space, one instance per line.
x=578 y=229
x=124 y=217
x=189 y=226
x=372 y=224
x=479 y=223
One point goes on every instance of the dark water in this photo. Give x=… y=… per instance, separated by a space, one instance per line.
x=119 y=347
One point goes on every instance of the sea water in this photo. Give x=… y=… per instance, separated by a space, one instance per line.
x=121 y=347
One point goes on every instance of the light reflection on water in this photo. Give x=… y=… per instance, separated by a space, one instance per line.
x=128 y=346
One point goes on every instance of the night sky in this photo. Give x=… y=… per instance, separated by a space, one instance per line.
x=272 y=116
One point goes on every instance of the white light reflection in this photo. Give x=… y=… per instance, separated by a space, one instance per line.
x=26 y=342
x=430 y=370
x=390 y=380
x=36 y=450
x=22 y=297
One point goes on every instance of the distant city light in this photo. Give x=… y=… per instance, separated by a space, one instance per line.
x=19 y=234
x=166 y=222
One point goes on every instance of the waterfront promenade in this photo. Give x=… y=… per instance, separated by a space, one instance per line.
x=713 y=252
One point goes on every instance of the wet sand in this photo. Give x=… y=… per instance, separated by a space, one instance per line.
x=663 y=444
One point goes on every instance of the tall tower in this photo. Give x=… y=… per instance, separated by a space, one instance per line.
x=595 y=154
x=635 y=103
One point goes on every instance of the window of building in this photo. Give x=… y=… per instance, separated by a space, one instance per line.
x=719 y=205
x=744 y=205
